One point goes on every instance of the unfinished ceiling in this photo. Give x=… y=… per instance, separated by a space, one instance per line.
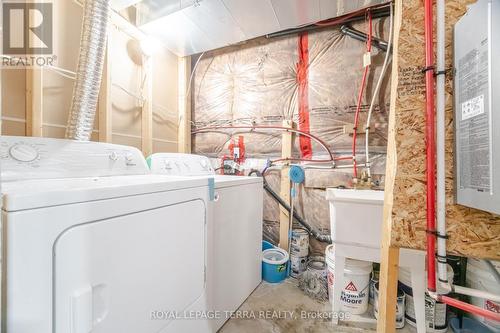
x=193 y=26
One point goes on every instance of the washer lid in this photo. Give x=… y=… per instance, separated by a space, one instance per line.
x=31 y=194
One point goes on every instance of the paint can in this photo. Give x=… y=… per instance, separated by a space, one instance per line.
x=354 y=295
x=313 y=280
x=317 y=263
x=298 y=265
x=400 y=306
x=299 y=245
x=479 y=277
x=436 y=318
x=373 y=281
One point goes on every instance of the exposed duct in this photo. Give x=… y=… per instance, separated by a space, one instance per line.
x=89 y=71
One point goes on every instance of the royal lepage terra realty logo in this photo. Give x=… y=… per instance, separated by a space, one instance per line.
x=27 y=33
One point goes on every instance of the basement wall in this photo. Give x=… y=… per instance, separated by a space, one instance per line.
x=257 y=83
x=127 y=78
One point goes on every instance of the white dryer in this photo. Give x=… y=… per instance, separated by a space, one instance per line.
x=235 y=244
x=93 y=243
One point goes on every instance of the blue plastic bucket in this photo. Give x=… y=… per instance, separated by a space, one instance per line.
x=267 y=245
x=274 y=265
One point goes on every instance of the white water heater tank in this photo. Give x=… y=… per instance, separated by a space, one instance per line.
x=477 y=106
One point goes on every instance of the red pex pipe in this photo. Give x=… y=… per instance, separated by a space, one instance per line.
x=431 y=177
x=430 y=147
x=281 y=128
x=360 y=96
x=470 y=308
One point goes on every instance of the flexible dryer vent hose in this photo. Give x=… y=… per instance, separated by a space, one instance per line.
x=89 y=71
x=324 y=238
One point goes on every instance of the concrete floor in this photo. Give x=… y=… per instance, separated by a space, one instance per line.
x=281 y=300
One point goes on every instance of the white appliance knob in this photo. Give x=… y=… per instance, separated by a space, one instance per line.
x=129 y=157
x=204 y=164
x=113 y=156
x=168 y=165
x=23 y=152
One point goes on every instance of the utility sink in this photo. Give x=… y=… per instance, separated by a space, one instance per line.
x=356 y=216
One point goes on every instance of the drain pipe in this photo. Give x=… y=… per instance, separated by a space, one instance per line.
x=363 y=37
x=440 y=147
x=324 y=238
x=444 y=285
x=89 y=72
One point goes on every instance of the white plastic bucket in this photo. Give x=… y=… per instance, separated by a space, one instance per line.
x=479 y=277
x=354 y=295
x=330 y=266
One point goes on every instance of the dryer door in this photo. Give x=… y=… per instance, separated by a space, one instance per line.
x=133 y=273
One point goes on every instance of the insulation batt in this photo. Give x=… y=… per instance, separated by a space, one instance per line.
x=256 y=84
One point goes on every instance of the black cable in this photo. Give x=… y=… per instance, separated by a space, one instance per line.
x=324 y=238
x=376 y=13
x=363 y=37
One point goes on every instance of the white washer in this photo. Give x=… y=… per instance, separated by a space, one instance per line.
x=93 y=243
x=235 y=266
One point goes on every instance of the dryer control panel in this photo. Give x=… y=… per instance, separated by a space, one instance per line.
x=180 y=164
x=24 y=158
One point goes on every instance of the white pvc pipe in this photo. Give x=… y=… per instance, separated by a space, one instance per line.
x=440 y=139
x=476 y=293
x=441 y=165
x=377 y=90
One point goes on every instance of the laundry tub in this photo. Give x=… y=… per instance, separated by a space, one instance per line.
x=356 y=216
x=356 y=226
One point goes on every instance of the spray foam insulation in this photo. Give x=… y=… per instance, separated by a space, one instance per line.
x=472 y=232
x=260 y=83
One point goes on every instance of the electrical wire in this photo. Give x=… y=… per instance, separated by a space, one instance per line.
x=377 y=91
x=61 y=71
x=140 y=99
x=188 y=91
x=361 y=93
x=342 y=19
x=332 y=158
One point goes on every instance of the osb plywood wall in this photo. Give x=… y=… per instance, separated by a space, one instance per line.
x=127 y=78
x=472 y=232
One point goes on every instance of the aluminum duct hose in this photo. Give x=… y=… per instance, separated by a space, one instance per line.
x=89 y=71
